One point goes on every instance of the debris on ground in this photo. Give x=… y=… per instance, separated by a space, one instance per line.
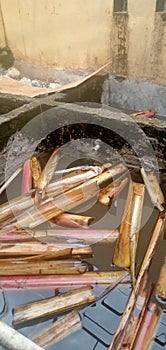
x=34 y=88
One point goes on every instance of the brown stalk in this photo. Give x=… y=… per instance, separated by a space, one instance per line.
x=47 y=174
x=87 y=251
x=97 y=170
x=36 y=171
x=110 y=192
x=44 y=212
x=58 y=267
x=15 y=206
x=136 y=217
x=21 y=203
x=51 y=208
x=72 y=220
x=155 y=185
x=121 y=256
x=71 y=180
x=65 y=234
x=88 y=236
x=60 y=329
x=88 y=176
x=116 y=169
x=153 y=189
x=63 y=302
x=34 y=248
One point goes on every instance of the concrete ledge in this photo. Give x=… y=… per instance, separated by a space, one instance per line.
x=18 y=110
x=49 y=123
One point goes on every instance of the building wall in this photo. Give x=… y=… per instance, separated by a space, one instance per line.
x=138 y=42
x=58 y=33
x=147 y=41
x=85 y=34
x=2 y=31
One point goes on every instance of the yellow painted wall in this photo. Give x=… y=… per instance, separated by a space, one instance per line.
x=85 y=34
x=58 y=33
x=138 y=42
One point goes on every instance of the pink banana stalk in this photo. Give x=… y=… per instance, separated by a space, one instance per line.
x=26 y=177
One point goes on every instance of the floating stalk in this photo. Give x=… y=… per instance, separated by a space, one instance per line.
x=20 y=204
x=63 y=302
x=136 y=217
x=147 y=328
x=15 y=206
x=47 y=174
x=70 y=199
x=26 y=177
x=121 y=256
x=110 y=192
x=88 y=236
x=72 y=220
x=80 y=176
x=58 y=267
x=153 y=189
x=61 y=328
x=87 y=278
x=73 y=179
x=36 y=171
x=34 y=248
x=51 y=207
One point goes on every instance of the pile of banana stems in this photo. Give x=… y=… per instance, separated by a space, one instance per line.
x=31 y=256
x=26 y=251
